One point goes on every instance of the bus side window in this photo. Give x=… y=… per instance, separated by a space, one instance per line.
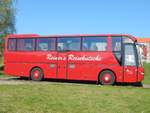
x=85 y=46
x=42 y=44
x=60 y=46
x=28 y=46
x=70 y=43
x=116 y=48
x=11 y=44
x=45 y=44
x=94 y=44
x=25 y=44
x=93 y=47
x=116 y=43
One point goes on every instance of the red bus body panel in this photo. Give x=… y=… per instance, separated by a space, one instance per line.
x=140 y=73
x=130 y=73
x=69 y=65
x=21 y=63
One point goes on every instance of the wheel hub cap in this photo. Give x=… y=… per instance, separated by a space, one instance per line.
x=36 y=74
x=107 y=78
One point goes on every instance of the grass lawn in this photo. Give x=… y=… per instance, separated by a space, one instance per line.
x=1 y=60
x=2 y=75
x=1 y=67
x=147 y=73
x=73 y=98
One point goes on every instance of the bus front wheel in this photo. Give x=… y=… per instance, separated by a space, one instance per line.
x=106 y=78
x=36 y=74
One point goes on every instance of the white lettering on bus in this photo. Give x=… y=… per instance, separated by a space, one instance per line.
x=84 y=58
x=74 y=58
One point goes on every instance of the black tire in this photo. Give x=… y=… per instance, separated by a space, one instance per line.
x=106 y=78
x=36 y=74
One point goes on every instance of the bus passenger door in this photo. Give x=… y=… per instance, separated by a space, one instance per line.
x=130 y=63
x=62 y=65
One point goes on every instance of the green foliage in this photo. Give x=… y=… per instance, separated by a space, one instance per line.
x=7 y=20
x=7 y=17
x=1 y=60
x=1 y=65
x=147 y=73
x=1 y=46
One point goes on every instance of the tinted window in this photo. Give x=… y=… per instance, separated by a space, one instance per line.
x=73 y=44
x=45 y=44
x=94 y=44
x=116 y=43
x=12 y=44
x=25 y=44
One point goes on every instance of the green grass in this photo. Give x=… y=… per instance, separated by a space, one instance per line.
x=1 y=67
x=2 y=75
x=72 y=98
x=147 y=73
x=1 y=63
x=1 y=60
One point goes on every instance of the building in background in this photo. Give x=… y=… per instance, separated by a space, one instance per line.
x=144 y=43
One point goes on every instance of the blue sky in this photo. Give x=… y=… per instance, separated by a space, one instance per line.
x=49 y=17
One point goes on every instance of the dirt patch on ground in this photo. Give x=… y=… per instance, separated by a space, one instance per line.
x=16 y=81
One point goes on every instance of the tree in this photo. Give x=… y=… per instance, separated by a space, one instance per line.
x=7 y=18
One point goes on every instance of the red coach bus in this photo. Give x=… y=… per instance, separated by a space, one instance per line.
x=103 y=58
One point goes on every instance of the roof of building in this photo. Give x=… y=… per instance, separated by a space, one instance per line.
x=143 y=40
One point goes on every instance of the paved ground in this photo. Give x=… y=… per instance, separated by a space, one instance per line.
x=146 y=85
x=18 y=81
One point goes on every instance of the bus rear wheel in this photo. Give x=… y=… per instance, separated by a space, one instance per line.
x=106 y=78
x=36 y=74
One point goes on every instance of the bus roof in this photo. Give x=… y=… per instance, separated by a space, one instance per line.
x=73 y=35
